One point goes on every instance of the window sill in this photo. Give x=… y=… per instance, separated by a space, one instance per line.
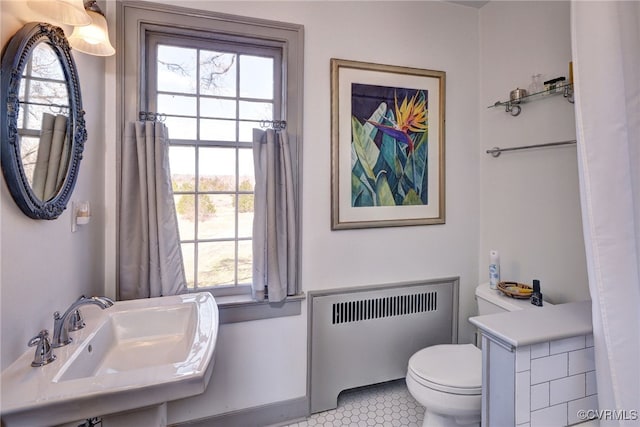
x=243 y=308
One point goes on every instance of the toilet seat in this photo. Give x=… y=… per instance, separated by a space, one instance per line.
x=449 y=368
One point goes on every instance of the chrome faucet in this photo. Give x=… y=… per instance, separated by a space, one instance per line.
x=43 y=355
x=61 y=323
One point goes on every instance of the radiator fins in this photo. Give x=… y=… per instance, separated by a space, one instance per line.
x=377 y=308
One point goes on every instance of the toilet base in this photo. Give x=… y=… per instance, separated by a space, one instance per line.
x=431 y=419
x=443 y=409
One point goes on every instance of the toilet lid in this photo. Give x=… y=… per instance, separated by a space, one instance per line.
x=452 y=368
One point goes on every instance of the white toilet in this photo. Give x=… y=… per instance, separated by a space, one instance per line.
x=447 y=379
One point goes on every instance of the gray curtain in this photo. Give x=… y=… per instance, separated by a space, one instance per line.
x=274 y=224
x=51 y=160
x=150 y=258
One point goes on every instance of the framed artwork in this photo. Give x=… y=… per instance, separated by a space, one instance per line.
x=387 y=145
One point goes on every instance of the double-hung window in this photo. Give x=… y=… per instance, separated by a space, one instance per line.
x=212 y=94
x=213 y=79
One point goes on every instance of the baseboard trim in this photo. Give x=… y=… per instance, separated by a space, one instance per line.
x=257 y=416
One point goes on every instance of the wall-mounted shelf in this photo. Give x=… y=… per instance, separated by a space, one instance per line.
x=514 y=107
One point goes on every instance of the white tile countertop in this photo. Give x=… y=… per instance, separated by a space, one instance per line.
x=547 y=323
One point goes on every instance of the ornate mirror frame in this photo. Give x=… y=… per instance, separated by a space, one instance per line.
x=14 y=60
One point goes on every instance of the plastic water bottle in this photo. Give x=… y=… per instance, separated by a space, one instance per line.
x=494 y=269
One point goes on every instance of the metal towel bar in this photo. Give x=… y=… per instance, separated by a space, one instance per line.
x=495 y=151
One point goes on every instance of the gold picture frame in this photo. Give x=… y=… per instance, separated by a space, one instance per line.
x=387 y=145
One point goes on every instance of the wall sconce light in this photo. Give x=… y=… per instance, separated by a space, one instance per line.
x=80 y=214
x=92 y=39
x=69 y=12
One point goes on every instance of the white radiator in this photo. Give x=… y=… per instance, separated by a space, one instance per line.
x=366 y=335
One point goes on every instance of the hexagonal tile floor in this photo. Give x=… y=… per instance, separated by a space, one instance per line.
x=388 y=405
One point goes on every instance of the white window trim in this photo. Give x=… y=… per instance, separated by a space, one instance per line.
x=131 y=19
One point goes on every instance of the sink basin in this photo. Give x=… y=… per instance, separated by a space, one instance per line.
x=134 y=354
x=134 y=339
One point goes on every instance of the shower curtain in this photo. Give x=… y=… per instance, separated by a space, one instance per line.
x=150 y=257
x=606 y=59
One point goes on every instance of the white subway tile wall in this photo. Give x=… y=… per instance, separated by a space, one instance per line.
x=549 y=368
x=550 y=416
x=589 y=341
x=576 y=405
x=566 y=345
x=540 y=350
x=581 y=361
x=561 y=379
x=567 y=389
x=539 y=396
x=523 y=358
x=591 y=383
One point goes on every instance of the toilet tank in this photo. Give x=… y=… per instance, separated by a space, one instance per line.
x=492 y=301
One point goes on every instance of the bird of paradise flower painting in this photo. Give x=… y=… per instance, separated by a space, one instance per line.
x=389 y=146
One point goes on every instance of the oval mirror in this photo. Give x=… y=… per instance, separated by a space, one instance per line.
x=43 y=132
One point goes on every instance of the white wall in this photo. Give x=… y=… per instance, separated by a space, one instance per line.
x=523 y=204
x=529 y=200
x=430 y=35
x=44 y=266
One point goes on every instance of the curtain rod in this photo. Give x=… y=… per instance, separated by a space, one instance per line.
x=273 y=124
x=264 y=124
x=495 y=151
x=43 y=104
x=150 y=116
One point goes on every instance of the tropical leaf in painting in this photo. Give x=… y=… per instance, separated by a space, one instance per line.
x=365 y=148
x=416 y=169
x=422 y=159
x=412 y=198
x=364 y=157
x=378 y=115
x=354 y=158
x=405 y=185
x=385 y=196
x=399 y=193
x=361 y=193
x=393 y=154
x=389 y=167
x=388 y=163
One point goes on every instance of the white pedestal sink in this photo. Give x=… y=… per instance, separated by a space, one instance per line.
x=132 y=355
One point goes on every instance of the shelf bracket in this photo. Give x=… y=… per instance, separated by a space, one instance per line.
x=513 y=108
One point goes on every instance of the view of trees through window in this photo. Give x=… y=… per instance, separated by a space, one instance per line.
x=213 y=95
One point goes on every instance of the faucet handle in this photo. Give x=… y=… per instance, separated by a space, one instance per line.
x=60 y=332
x=44 y=354
x=75 y=319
